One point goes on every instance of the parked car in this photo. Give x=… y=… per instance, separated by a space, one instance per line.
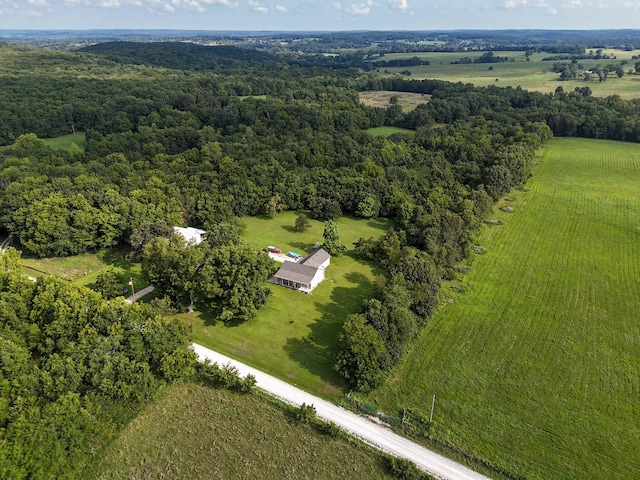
x=273 y=249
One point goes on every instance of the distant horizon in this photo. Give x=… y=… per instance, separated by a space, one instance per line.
x=318 y=16
x=360 y=30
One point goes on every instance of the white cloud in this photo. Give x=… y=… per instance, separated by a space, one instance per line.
x=282 y=9
x=360 y=8
x=401 y=5
x=226 y=3
x=258 y=7
x=542 y=4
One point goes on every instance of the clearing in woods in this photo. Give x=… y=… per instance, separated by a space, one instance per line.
x=295 y=336
x=535 y=363
x=407 y=100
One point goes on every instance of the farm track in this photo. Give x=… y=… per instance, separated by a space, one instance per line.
x=536 y=365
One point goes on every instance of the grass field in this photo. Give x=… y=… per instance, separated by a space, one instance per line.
x=534 y=75
x=294 y=336
x=193 y=432
x=388 y=131
x=407 y=100
x=84 y=269
x=536 y=364
x=64 y=142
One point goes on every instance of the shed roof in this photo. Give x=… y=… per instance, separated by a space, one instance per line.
x=315 y=259
x=190 y=234
x=296 y=272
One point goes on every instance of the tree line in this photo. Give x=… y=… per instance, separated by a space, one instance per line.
x=202 y=148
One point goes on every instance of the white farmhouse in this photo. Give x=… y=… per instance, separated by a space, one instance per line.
x=304 y=275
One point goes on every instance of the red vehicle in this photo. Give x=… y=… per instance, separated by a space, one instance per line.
x=274 y=249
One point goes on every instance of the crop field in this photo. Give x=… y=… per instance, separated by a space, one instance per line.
x=534 y=75
x=536 y=362
x=193 y=432
x=294 y=336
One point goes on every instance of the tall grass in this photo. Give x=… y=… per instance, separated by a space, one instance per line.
x=193 y=432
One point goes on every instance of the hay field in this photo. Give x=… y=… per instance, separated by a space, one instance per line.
x=533 y=74
x=536 y=362
x=195 y=432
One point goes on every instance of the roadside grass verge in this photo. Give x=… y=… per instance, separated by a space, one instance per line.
x=294 y=336
x=191 y=431
x=535 y=364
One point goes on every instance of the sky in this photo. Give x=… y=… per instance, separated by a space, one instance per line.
x=316 y=15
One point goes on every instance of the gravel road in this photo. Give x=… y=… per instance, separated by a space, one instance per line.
x=368 y=431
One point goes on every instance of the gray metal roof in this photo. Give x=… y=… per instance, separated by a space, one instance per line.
x=315 y=259
x=296 y=272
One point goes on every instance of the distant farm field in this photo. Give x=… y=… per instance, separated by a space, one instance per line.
x=194 y=432
x=407 y=100
x=536 y=363
x=534 y=74
x=294 y=336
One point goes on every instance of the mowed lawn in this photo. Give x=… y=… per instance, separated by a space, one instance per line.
x=536 y=364
x=294 y=336
x=193 y=432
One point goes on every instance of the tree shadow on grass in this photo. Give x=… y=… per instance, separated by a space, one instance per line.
x=211 y=316
x=317 y=352
x=381 y=223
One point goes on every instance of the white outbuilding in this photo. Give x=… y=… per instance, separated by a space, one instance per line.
x=191 y=235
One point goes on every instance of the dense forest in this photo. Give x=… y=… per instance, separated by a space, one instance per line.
x=178 y=134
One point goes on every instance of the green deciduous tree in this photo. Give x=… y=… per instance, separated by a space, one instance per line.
x=360 y=354
x=234 y=281
x=174 y=268
x=302 y=223
x=109 y=284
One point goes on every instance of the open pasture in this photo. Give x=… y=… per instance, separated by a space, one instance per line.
x=294 y=336
x=534 y=75
x=536 y=363
x=193 y=432
x=407 y=100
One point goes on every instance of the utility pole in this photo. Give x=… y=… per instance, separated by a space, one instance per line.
x=133 y=292
x=433 y=403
